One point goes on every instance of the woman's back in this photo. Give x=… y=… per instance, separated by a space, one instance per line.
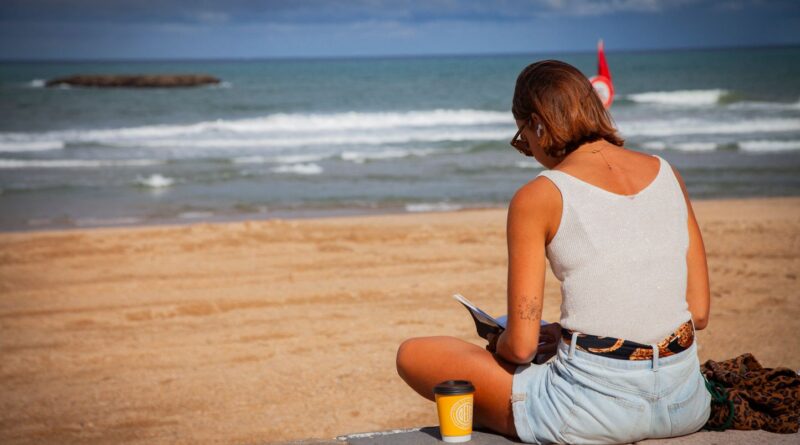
x=621 y=257
x=633 y=273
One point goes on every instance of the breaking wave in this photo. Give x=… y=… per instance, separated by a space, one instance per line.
x=75 y=163
x=692 y=98
x=299 y=169
x=155 y=181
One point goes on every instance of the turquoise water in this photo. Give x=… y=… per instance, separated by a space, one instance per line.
x=282 y=138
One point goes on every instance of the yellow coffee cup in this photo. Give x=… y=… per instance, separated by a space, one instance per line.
x=454 y=404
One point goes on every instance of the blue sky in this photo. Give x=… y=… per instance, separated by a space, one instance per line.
x=183 y=29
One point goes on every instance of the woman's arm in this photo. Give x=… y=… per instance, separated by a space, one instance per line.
x=526 y=230
x=698 y=294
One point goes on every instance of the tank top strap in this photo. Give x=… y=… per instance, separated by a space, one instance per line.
x=562 y=181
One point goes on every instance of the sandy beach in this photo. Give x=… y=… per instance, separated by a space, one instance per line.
x=251 y=332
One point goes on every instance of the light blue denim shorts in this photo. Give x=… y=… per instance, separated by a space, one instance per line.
x=579 y=397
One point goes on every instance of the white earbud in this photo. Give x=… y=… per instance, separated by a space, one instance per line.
x=539 y=130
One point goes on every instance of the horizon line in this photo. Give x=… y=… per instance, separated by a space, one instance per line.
x=402 y=56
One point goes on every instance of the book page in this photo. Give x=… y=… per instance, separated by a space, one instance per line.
x=485 y=318
x=480 y=314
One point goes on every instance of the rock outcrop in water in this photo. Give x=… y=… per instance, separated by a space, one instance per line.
x=135 y=80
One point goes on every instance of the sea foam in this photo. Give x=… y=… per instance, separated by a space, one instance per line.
x=692 y=98
x=432 y=207
x=695 y=146
x=654 y=145
x=767 y=145
x=155 y=181
x=282 y=159
x=700 y=126
x=299 y=169
x=296 y=122
x=352 y=131
x=363 y=156
x=320 y=140
x=282 y=130
x=25 y=146
x=74 y=163
x=759 y=105
x=680 y=146
x=527 y=164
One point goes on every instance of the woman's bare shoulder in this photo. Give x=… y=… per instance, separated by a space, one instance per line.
x=538 y=205
x=539 y=193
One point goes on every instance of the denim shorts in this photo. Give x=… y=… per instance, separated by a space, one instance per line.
x=580 y=397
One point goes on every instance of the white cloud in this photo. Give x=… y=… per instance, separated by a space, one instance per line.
x=600 y=7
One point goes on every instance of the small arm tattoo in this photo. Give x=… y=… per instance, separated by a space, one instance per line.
x=529 y=310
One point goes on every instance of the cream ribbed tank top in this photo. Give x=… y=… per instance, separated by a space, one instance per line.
x=621 y=259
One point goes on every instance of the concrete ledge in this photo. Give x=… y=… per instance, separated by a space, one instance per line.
x=429 y=435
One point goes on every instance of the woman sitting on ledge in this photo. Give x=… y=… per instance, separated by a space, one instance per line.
x=618 y=229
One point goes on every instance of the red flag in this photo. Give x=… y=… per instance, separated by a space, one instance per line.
x=602 y=65
x=602 y=81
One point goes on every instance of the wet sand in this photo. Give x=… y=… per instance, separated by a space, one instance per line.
x=253 y=332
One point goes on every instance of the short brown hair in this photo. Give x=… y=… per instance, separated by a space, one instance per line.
x=565 y=102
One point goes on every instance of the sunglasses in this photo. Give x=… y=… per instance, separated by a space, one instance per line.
x=520 y=144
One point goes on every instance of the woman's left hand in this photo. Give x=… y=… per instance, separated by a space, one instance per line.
x=550 y=335
x=492 y=337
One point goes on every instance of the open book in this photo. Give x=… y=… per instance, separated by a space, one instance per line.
x=485 y=323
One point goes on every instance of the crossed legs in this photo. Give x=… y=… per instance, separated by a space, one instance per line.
x=423 y=362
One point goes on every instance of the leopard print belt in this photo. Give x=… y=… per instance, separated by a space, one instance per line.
x=679 y=340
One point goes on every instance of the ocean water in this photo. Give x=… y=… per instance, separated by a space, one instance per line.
x=294 y=138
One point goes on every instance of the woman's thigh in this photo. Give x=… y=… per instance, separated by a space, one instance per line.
x=424 y=362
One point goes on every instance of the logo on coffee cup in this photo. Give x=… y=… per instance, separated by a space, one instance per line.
x=461 y=413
